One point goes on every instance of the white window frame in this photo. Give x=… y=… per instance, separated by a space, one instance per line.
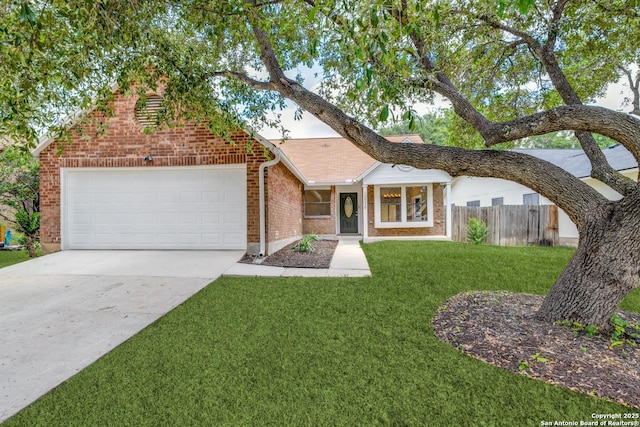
x=404 y=223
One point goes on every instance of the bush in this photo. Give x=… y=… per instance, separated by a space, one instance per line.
x=476 y=230
x=305 y=245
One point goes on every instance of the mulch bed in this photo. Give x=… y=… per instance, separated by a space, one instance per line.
x=500 y=328
x=287 y=257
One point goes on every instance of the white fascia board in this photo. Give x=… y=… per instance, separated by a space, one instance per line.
x=275 y=150
x=367 y=172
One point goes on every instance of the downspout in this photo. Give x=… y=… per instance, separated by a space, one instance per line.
x=263 y=226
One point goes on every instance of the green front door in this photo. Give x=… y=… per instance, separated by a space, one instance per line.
x=348 y=213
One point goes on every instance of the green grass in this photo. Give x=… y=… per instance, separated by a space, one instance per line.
x=12 y=257
x=335 y=352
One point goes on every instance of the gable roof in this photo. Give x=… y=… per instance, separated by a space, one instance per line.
x=333 y=160
x=576 y=162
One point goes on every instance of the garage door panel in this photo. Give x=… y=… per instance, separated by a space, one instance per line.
x=212 y=239
x=168 y=218
x=212 y=218
x=211 y=197
x=168 y=197
x=189 y=196
x=155 y=208
x=231 y=239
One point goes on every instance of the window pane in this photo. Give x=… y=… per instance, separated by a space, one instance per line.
x=390 y=204
x=474 y=203
x=531 y=199
x=416 y=203
x=317 y=196
x=497 y=201
x=317 y=202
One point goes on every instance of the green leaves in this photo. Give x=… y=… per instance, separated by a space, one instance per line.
x=408 y=117
x=523 y=6
x=27 y=14
x=384 y=113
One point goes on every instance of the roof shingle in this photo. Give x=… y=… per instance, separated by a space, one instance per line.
x=331 y=160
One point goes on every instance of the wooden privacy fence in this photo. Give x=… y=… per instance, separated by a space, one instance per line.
x=510 y=225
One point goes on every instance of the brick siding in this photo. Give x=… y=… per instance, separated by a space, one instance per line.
x=284 y=204
x=438 y=228
x=124 y=145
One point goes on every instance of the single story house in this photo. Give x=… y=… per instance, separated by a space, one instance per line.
x=476 y=191
x=186 y=188
x=348 y=192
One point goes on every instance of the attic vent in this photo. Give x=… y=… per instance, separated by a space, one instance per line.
x=147 y=111
x=407 y=141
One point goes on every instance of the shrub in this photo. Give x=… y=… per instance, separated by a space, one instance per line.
x=476 y=230
x=305 y=245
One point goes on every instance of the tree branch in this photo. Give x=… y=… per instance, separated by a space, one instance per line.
x=635 y=89
x=600 y=168
x=257 y=84
x=572 y=195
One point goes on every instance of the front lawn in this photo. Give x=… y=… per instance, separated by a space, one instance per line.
x=12 y=257
x=292 y=351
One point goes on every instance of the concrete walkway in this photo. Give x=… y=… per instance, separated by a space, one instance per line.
x=61 y=312
x=348 y=261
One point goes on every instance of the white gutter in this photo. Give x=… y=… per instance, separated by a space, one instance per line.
x=263 y=227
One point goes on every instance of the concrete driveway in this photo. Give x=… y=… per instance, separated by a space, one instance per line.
x=61 y=312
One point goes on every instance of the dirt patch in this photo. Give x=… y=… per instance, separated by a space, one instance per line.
x=287 y=257
x=500 y=328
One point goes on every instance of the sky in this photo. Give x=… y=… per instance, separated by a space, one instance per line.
x=310 y=127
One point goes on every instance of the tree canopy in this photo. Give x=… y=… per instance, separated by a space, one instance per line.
x=510 y=69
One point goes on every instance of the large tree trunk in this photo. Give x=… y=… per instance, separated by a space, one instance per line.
x=604 y=269
x=30 y=243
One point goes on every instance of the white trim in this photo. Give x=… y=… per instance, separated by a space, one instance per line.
x=367 y=172
x=391 y=238
x=365 y=211
x=317 y=187
x=403 y=207
x=448 y=213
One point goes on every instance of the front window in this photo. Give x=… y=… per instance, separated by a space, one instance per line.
x=390 y=204
x=317 y=203
x=417 y=203
x=404 y=206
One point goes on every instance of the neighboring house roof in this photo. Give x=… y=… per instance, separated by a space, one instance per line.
x=332 y=160
x=576 y=162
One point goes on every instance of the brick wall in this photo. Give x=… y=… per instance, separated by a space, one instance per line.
x=438 y=228
x=321 y=225
x=124 y=145
x=284 y=204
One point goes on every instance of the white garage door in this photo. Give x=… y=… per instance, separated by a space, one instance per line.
x=155 y=208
